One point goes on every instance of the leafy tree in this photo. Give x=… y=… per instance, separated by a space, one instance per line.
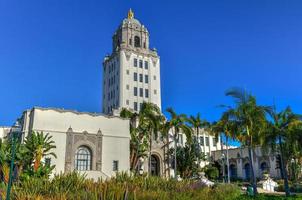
x=188 y=158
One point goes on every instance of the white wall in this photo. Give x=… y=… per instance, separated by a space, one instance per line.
x=56 y=122
x=115 y=149
x=4 y=131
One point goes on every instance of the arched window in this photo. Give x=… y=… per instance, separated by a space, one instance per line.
x=137 y=41
x=82 y=161
x=263 y=167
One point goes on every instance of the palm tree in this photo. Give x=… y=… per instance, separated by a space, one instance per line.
x=39 y=145
x=228 y=126
x=197 y=123
x=144 y=126
x=251 y=119
x=150 y=119
x=280 y=133
x=138 y=142
x=166 y=138
x=177 y=124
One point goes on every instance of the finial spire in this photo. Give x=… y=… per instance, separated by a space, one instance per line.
x=130 y=14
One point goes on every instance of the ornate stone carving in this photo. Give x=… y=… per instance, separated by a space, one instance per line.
x=93 y=141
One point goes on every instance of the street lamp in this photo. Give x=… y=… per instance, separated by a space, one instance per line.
x=14 y=133
x=223 y=169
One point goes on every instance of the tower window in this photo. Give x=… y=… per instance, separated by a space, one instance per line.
x=135 y=76
x=137 y=42
x=146 y=93
x=207 y=141
x=140 y=64
x=127 y=102
x=141 y=92
x=127 y=87
x=155 y=91
x=146 y=64
x=146 y=79
x=135 y=91
x=130 y=41
x=154 y=77
x=127 y=72
x=135 y=62
x=140 y=78
x=135 y=106
x=201 y=141
x=214 y=142
x=115 y=165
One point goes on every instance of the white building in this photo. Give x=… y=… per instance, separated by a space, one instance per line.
x=87 y=142
x=263 y=162
x=131 y=74
x=4 y=131
x=98 y=144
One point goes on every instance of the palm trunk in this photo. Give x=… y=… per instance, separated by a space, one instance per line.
x=227 y=158
x=168 y=155
x=251 y=161
x=164 y=163
x=204 y=143
x=150 y=154
x=283 y=168
x=252 y=170
x=175 y=161
x=132 y=158
x=223 y=171
x=198 y=161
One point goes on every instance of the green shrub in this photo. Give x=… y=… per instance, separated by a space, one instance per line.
x=212 y=172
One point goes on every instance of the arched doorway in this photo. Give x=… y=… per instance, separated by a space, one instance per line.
x=155 y=165
x=247 y=171
x=233 y=171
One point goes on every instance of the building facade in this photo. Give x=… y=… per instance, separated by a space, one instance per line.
x=90 y=143
x=4 y=131
x=131 y=74
x=239 y=166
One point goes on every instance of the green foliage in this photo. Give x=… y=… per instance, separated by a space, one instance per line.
x=188 y=158
x=211 y=172
x=123 y=186
x=144 y=126
x=28 y=156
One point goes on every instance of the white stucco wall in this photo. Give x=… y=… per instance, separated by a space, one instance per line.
x=4 y=130
x=115 y=149
x=56 y=122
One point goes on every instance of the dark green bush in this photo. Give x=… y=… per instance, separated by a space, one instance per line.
x=212 y=172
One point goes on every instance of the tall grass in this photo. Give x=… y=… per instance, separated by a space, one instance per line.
x=122 y=187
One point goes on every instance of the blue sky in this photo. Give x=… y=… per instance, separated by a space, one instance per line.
x=51 y=52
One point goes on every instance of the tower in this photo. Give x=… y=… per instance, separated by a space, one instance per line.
x=131 y=74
